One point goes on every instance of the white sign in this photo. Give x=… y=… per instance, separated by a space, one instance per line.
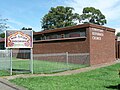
x=118 y=38
x=97 y=34
x=19 y=39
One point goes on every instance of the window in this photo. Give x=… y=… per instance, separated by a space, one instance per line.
x=65 y=34
x=62 y=35
x=37 y=38
x=54 y=36
x=74 y=34
x=83 y=34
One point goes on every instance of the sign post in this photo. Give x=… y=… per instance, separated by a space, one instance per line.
x=10 y=61
x=20 y=39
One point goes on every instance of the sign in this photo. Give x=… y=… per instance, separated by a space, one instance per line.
x=19 y=39
x=97 y=34
x=118 y=38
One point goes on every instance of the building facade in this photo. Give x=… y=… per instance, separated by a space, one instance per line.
x=97 y=41
x=118 y=47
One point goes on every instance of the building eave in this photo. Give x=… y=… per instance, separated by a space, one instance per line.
x=74 y=27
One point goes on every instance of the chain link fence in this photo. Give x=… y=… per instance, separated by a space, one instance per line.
x=49 y=63
x=5 y=62
x=22 y=61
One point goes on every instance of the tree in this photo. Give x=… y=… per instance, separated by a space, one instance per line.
x=2 y=35
x=24 y=28
x=92 y=15
x=118 y=34
x=3 y=25
x=59 y=17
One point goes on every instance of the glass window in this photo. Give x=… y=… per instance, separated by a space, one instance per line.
x=62 y=35
x=37 y=38
x=65 y=34
x=74 y=34
x=54 y=36
x=82 y=34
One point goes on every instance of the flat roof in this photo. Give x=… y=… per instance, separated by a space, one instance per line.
x=75 y=27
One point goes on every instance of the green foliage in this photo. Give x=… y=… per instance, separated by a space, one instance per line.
x=59 y=17
x=118 y=34
x=92 y=15
x=4 y=73
x=99 y=79
x=3 y=25
x=24 y=28
x=2 y=35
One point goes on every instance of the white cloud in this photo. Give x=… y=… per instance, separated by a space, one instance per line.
x=110 y=8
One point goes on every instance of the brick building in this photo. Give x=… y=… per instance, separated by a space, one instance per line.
x=118 y=47
x=98 y=41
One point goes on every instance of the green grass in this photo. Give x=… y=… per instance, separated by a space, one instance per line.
x=44 y=66
x=23 y=66
x=4 y=73
x=39 y=66
x=100 y=79
x=48 y=67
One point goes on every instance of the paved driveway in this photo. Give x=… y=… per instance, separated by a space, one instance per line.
x=6 y=85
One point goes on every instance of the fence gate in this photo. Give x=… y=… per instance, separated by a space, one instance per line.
x=5 y=60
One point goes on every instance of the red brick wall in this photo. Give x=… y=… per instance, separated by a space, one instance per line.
x=71 y=46
x=102 y=51
x=117 y=49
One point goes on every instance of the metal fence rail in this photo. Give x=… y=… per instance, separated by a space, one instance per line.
x=23 y=61
x=5 y=62
x=4 y=59
x=47 y=63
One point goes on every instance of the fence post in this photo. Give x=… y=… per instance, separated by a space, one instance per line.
x=67 y=58
x=31 y=61
x=10 y=61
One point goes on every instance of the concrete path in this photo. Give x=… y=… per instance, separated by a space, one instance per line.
x=6 y=85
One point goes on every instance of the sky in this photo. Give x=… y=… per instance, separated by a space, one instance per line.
x=28 y=13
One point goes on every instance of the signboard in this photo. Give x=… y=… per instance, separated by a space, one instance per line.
x=97 y=34
x=19 y=39
x=118 y=38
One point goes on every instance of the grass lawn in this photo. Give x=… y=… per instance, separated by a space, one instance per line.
x=44 y=66
x=39 y=66
x=100 y=79
x=4 y=73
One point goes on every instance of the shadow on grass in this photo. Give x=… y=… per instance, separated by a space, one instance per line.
x=117 y=87
x=20 y=71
